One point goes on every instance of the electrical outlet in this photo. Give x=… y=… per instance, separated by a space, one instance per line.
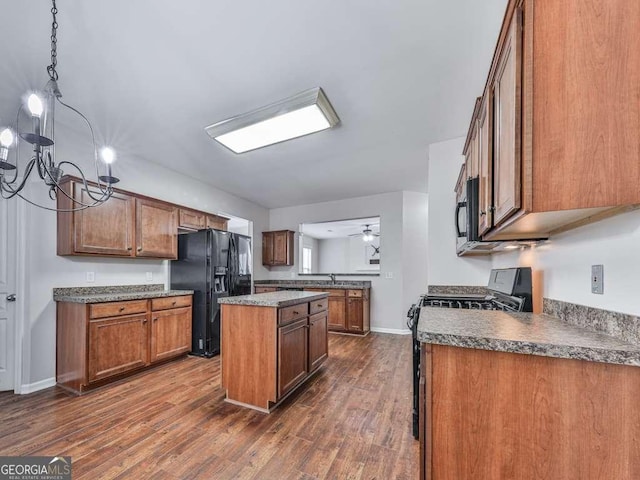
x=149 y=276
x=388 y=275
x=597 y=279
x=91 y=277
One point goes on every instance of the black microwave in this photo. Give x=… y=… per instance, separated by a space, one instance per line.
x=467 y=219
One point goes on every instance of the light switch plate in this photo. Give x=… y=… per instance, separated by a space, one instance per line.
x=91 y=277
x=149 y=276
x=597 y=279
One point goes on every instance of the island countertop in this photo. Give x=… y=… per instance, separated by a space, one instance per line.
x=273 y=299
x=526 y=333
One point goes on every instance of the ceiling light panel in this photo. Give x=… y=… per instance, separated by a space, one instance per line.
x=305 y=113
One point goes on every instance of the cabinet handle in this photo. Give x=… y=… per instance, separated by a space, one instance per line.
x=144 y=321
x=173 y=304
x=121 y=309
x=155 y=319
x=129 y=249
x=482 y=213
x=296 y=313
x=139 y=249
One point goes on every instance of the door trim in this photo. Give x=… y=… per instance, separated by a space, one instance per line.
x=20 y=307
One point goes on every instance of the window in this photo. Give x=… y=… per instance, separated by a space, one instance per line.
x=306 y=260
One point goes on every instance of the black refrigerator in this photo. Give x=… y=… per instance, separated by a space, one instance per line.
x=213 y=264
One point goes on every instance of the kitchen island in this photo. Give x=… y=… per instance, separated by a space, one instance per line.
x=527 y=396
x=271 y=343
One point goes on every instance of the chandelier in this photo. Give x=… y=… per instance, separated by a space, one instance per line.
x=41 y=108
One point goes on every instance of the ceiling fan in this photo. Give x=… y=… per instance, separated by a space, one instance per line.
x=367 y=234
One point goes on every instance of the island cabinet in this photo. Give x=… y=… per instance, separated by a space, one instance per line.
x=269 y=350
x=101 y=342
x=349 y=309
x=278 y=248
x=555 y=131
x=488 y=415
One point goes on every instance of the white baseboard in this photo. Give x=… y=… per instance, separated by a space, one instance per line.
x=37 y=386
x=395 y=331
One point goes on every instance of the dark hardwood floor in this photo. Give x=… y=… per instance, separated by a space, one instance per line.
x=351 y=421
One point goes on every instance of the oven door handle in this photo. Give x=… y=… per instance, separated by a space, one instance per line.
x=459 y=205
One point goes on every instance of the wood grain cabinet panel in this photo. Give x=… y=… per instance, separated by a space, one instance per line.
x=265 y=289
x=170 y=333
x=355 y=314
x=485 y=170
x=278 y=248
x=217 y=222
x=349 y=310
x=117 y=345
x=337 y=313
x=293 y=364
x=156 y=229
x=107 y=229
x=191 y=220
x=318 y=340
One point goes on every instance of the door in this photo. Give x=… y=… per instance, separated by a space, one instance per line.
x=337 y=313
x=7 y=293
x=242 y=265
x=106 y=229
x=156 y=229
x=117 y=345
x=170 y=333
x=292 y=355
x=318 y=340
x=507 y=113
x=354 y=314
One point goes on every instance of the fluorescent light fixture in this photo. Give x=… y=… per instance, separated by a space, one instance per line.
x=307 y=112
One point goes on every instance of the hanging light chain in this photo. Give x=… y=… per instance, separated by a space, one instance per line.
x=51 y=69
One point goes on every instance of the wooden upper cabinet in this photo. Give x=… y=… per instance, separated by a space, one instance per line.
x=156 y=229
x=506 y=91
x=191 y=220
x=217 y=222
x=485 y=173
x=277 y=248
x=105 y=230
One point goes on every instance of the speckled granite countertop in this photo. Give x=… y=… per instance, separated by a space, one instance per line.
x=525 y=333
x=273 y=299
x=313 y=283
x=115 y=293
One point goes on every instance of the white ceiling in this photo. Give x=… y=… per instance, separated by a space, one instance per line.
x=151 y=75
x=340 y=228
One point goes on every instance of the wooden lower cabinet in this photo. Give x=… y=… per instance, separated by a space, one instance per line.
x=267 y=352
x=349 y=309
x=170 y=333
x=486 y=415
x=117 y=345
x=318 y=340
x=266 y=289
x=293 y=364
x=100 y=342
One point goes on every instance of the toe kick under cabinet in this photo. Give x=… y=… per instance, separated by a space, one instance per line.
x=101 y=342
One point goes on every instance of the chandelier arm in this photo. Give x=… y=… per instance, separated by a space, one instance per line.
x=6 y=187
x=69 y=210
x=106 y=193
x=93 y=139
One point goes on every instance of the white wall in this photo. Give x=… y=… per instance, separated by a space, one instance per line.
x=445 y=267
x=44 y=270
x=388 y=305
x=564 y=262
x=333 y=255
x=414 y=245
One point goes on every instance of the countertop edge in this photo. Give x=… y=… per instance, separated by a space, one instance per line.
x=120 y=297
x=273 y=303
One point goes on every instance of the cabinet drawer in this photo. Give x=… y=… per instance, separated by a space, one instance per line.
x=289 y=314
x=354 y=293
x=333 y=292
x=318 y=305
x=170 y=302
x=115 y=309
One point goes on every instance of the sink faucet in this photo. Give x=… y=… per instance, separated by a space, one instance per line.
x=333 y=277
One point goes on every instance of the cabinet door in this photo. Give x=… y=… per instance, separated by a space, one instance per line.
x=292 y=355
x=267 y=248
x=507 y=124
x=318 y=340
x=170 y=333
x=117 y=345
x=106 y=229
x=354 y=314
x=280 y=248
x=486 y=171
x=156 y=229
x=337 y=313
x=191 y=220
x=219 y=223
